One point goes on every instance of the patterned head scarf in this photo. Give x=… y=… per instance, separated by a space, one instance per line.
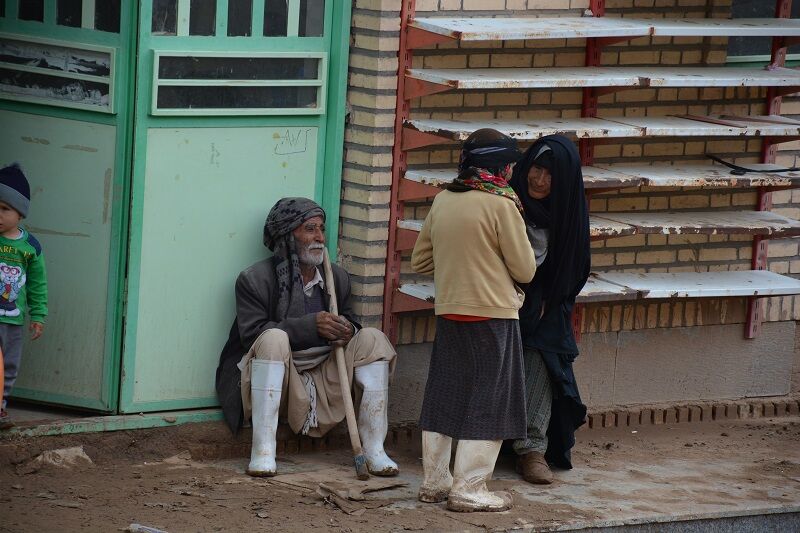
x=284 y=217
x=485 y=164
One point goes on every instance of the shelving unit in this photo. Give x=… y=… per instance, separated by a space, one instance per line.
x=595 y=80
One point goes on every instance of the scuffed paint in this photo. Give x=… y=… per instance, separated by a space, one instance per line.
x=79 y=148
x=35 y=140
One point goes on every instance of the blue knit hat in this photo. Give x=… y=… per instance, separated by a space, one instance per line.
x=14 y=189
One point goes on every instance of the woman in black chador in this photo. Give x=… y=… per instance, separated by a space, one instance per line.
x=549 y=183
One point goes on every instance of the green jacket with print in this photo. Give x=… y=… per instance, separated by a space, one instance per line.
x=23 y=281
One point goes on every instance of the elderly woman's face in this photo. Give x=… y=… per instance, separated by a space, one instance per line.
x=539 y=181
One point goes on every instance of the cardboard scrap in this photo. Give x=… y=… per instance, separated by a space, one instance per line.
x=338 y=486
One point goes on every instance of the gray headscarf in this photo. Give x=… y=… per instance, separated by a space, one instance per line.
x=284 y=217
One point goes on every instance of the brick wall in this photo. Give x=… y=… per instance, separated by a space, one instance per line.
x=369 y=139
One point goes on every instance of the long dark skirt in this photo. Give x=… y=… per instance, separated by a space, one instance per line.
x=476 y=381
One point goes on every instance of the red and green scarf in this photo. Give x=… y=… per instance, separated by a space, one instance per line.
x=480 y=179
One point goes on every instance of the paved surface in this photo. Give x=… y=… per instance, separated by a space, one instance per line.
x=740 y=475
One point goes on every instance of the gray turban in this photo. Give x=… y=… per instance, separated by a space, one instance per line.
x=284 y=217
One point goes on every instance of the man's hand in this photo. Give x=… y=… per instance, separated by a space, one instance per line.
x=351 y=329
x=333 y=327
x=36 y=329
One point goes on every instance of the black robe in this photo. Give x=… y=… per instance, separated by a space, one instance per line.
x=555 y=286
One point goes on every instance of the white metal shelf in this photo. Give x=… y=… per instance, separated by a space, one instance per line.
x=614 y=286
x=616 y=127
x=522 y=28
x=609 y=225
x=566 y=77
x=620 y=176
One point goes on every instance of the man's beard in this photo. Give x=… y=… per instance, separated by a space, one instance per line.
x=308 y=256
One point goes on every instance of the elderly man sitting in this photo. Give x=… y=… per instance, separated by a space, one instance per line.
x=278 y=357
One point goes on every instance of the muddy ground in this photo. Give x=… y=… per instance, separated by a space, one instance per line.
x=190 y=478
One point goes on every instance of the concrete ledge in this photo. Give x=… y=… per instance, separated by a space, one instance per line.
x=767 y=520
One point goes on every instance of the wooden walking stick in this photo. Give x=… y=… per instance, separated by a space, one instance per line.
x=338 y=351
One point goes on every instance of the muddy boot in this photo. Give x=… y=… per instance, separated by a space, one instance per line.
x=534 y=468
x=436 y=465
x=372 y=421
x=266 y=383
x=473 y=467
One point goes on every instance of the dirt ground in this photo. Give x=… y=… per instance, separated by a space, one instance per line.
x=182 y=479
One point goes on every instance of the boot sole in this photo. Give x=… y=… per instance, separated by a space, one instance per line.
x=471 y=508
x=260 y=473
x=433 y=496
x=461 y=505
x=386 y=472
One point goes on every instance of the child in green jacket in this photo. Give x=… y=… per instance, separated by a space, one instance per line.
x=23 y=281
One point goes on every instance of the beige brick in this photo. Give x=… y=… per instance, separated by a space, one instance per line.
x=373 y=101
x=373 y=22
x=368 y=138
x=511 y=60
x=656 y=149
x=720 y=200
x=379 y=5
x=599 y=260
x=446 y=61
x=548 y=4
x=366 y=196
x=427 y=5
x=631 y=150
x=370 y=289
x=543 y=60
x=362 y=249
x=744 y=198
x=383 y=65
x=506 y=99
x=626 y=258
x=379 y=44
x=357 y=267
x=449 y=5
x=655 y=257
x=372 y=119
x=670 y=57
x=364 y=213
x=483 y=5
x=627 y=204
x=358 y=157
x=570 y=59
x=688 y=201
x=626 y=242
x=718 y=254
x=363 y=177
x=658 y=202
x=783 y=248
x=642 y=57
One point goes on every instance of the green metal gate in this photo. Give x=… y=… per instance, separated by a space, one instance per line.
x=153 y=158
x=64 y=116
x=239 y=103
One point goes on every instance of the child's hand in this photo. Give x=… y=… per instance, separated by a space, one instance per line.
x=36 y=329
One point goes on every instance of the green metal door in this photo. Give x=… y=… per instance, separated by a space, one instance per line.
x=239 y=102
x=64 y=87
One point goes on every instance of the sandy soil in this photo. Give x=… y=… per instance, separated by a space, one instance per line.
x=190 y=478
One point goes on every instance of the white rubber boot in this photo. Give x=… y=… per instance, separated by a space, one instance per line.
x=473 y=467
x=436 y=465
x=372 y=421
x=266 y=383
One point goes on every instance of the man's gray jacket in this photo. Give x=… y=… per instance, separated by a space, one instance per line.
x=256 y=302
